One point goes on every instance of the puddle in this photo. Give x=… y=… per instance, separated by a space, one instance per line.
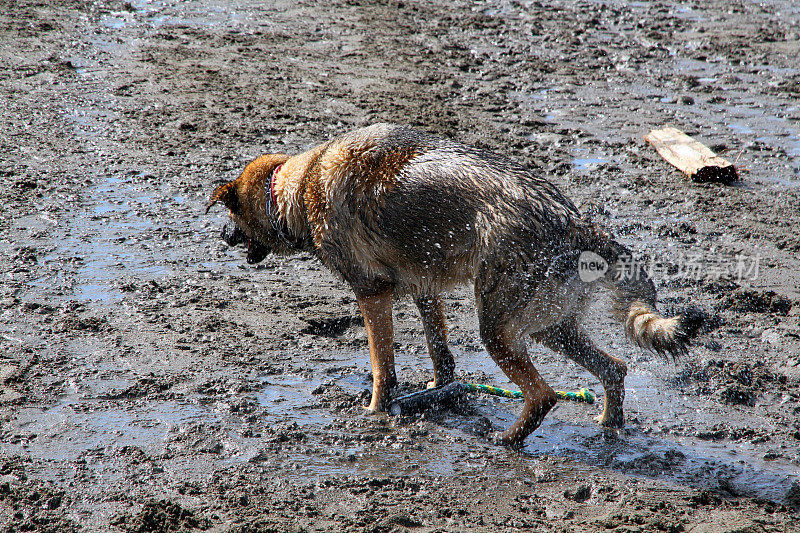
x=588 y=164
x=734 y=467
x=159 y=15
x=290 y=396
x=77 y=425
x=535 y=99
x=115 y=21
x=740 y=128
x=74 y=426
x=118 y=234
x=784 y=182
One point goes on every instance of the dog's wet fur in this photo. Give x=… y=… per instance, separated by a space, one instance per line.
x=399 y=211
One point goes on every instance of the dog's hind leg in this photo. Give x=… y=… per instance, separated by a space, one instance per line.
x=569 y=339
x=508 y=351
x=512 y=358
x=377 y=311
x=433 y=322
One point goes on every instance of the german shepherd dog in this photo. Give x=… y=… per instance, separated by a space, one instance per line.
x=397 y=211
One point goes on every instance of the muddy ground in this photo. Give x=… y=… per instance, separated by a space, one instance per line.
x=152 y=381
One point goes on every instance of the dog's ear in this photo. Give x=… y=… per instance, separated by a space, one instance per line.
x=227 y=195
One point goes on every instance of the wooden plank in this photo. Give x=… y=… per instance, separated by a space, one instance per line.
x=691 y=157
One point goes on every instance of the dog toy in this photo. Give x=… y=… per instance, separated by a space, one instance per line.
x=583 y=395
x=452 y=392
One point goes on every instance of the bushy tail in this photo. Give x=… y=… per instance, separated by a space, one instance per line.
x=634 y=297
x=647 y=328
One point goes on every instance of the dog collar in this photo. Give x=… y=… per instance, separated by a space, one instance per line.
x=272 y=200
x=278 y=224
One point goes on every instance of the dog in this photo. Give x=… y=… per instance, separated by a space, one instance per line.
x=397 y=211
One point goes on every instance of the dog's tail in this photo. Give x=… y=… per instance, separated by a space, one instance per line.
x=634 y=302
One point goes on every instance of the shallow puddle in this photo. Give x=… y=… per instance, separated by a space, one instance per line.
x=585 y=164
x=77 y=425
x=738 y=468
x=73 y=427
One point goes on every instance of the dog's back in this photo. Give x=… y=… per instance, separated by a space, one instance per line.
x=434 y=209
x=425 y=213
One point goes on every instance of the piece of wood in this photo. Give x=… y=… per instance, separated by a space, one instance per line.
x=691 y=157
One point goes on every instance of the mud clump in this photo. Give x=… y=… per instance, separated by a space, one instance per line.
x=32 y=505
x=738 y=395
x=143 y=387
x=652 y=462
x=335 y=397
x=793 y=496
x=753 y=301
x=161 y=517
x=330 y=326
x=580 y=494
x=732 y=382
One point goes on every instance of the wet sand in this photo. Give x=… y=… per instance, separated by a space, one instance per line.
x=150 y=380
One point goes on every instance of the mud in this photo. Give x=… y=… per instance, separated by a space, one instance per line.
x=150 y=380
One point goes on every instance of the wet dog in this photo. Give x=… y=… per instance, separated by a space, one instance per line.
x=398 y=211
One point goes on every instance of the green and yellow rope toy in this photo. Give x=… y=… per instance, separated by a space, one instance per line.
x=426 y=399
x=583 y=395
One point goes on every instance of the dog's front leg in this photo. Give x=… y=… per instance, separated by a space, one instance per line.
x=377 y=311
x=433 y=321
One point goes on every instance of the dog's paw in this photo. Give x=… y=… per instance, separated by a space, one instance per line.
x=377 y=406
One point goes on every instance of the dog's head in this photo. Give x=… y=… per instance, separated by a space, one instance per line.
x=248 y=198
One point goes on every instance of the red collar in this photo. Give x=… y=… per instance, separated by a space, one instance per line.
x=272 y=187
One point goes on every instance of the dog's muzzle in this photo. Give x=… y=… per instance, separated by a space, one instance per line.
x=256 y=252
x=233 y=236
